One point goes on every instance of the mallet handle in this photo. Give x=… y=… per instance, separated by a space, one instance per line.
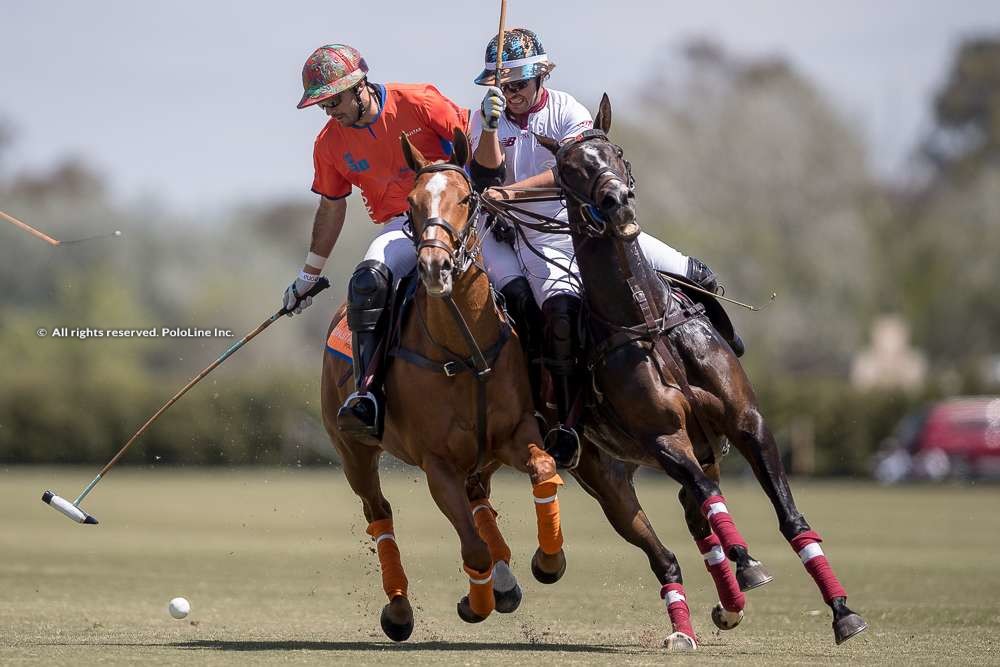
x=320 y=285
x=500 y=36
x=28 y=228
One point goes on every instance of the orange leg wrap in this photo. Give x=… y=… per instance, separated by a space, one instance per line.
x=550 y=537
x=486 y=525
x=481 y=591
x=394 y=581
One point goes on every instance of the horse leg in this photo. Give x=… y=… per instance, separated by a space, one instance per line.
x=506 y=590
x=756 y=443
x=360 y=463
x=675 y=454
x=447 y=486
x=609 y=481
x=523 y=454
x=728 y=613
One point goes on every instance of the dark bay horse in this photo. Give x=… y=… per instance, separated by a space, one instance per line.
x=671 y=387
x=451 y=361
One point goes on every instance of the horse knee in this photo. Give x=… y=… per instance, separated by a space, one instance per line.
x=477 y=555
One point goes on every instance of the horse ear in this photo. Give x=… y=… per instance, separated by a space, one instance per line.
x=550 y=144
x=603 y=120
x=460 y=144
x=414 y=159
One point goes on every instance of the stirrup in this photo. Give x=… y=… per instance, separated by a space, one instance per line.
x=563 y=445
x=359 y=414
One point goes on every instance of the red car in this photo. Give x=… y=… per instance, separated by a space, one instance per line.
x=957 y=437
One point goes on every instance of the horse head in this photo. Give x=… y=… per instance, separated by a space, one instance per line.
x=597 y=180
x=442 y=212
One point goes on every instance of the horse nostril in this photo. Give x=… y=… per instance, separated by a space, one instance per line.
x=446 y=266
x=609 y=202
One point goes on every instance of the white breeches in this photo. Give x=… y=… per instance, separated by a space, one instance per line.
x=393 y=248
x=560 y=275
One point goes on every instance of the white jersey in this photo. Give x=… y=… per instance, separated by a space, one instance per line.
x=558 y=116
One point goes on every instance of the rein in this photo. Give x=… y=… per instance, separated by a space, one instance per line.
x=479 y=364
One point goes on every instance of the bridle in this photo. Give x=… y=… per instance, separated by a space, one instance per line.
x=462 y=253
x=464 y=248
x=594 y=222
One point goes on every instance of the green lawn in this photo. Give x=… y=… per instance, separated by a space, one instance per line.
x=278 y=568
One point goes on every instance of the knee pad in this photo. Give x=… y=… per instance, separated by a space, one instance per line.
x=702 y=276
x=368 y=295
x=562 y=317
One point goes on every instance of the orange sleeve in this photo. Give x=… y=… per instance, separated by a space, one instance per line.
x=327 y=181
x=443 y=115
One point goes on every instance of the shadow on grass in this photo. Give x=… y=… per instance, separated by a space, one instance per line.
x=386 y=646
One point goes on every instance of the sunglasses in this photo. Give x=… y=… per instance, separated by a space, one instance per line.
x=515 y=86
x=331 y=103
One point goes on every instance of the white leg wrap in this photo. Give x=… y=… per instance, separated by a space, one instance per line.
x=810 y=551
x=714 y=556
x=716 y=508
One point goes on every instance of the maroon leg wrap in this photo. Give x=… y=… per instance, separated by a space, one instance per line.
x=806 y=545
x=677 y=608
x=717 y=564
x=717 y=514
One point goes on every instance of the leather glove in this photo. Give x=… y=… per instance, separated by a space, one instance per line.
x=492 y=108
x=294 y=302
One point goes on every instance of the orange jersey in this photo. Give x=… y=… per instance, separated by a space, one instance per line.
x=371 y=157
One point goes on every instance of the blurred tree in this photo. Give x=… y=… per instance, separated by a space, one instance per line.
x=967 y=109
x=743 y=162
x=940 y=243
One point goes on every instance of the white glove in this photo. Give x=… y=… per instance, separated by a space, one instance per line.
x=294 y=302
x=492 y=108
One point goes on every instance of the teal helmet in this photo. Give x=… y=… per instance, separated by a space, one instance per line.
x=524 y=57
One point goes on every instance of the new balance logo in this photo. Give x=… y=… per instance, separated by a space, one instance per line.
x=359 y=166
x=507 y=142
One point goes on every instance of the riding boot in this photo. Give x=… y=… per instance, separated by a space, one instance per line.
x=519 y=303
x=367 y=301
x=561 y=315
x=702 y=276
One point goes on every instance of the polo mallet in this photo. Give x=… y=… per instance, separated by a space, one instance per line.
x=500 y=36
x=73 y=509
x=48 y=239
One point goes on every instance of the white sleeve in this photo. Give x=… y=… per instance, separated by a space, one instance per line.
x=574 y=120
x=475 y=130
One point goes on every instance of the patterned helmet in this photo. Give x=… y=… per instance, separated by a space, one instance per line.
x=331 y=69
x=524 y=57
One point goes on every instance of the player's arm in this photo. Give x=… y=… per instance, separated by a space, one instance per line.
x=327 y=225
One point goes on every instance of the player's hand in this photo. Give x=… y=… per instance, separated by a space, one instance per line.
x=492 y=108
x=294 y=299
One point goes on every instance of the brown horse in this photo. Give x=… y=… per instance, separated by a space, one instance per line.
x=671 y=386
x=451 y=361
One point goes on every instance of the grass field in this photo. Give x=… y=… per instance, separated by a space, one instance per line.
x=277 y=568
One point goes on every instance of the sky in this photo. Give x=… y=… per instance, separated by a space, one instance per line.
x=193 y=103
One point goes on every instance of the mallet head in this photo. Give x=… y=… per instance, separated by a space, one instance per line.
x=67 y=508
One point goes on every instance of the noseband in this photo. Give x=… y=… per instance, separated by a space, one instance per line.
x=460 y=254
x=594 y=222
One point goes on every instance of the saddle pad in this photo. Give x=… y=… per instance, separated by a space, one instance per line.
x=339 y=342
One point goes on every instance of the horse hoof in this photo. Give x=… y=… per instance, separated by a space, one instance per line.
x=509 y=600
x=397 y=619
x=753 y=576
x=544 y=576
x=680 y=642
x=847 y=627
x=465 y=612
x=725 y=619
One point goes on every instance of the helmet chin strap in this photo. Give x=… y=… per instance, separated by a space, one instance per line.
x=362 y=107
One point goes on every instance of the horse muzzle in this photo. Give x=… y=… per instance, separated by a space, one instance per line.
x=436 y=269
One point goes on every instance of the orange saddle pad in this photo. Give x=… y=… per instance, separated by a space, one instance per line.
x=339 y=342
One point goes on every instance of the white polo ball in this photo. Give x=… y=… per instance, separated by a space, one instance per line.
x=179 y=607
x=118 y=232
